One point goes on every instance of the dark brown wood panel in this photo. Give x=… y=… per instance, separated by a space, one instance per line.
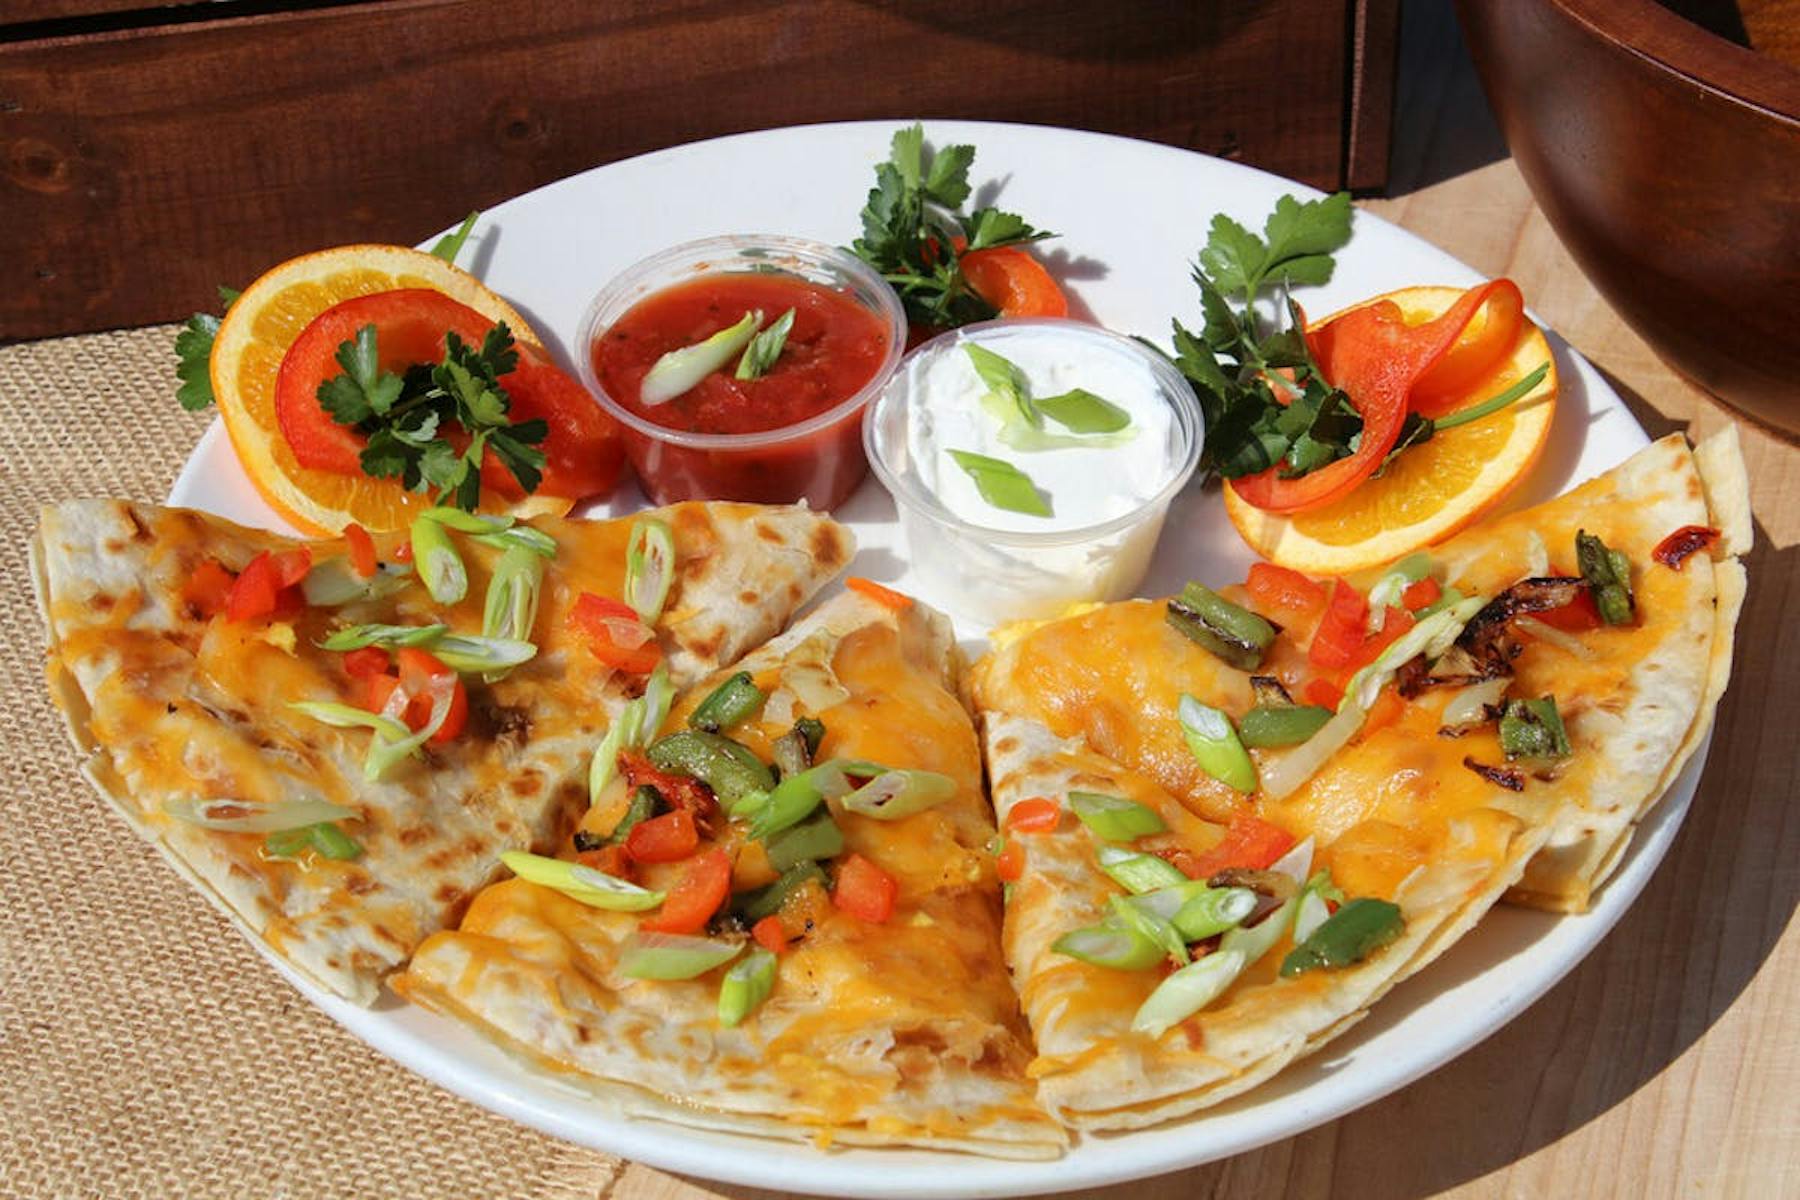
x=140 y=167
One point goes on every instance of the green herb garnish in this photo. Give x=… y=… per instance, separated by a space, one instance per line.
x=193 y=354
x=1001 y=484
x=404 y=416
x=911 y=224
x=451 y=244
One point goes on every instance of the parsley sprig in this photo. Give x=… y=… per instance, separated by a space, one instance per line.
x=404 y=416
x=1235 y=366
x=910 y=224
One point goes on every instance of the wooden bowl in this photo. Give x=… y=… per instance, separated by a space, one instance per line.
x=1668 y=161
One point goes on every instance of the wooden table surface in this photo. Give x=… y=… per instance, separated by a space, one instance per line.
x=1668 y=1063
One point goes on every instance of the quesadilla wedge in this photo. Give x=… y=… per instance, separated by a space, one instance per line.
x=341 y=803
x=1151 y=994
x=811 y=954
x=1633 y=696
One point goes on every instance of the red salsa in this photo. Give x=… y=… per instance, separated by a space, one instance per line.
x=835 y=348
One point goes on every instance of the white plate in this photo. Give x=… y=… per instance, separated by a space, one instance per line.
x=1132 y=216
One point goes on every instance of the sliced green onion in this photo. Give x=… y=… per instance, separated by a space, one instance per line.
x=673 y=955
x=435 y=558
x=451 y=244
x=332 y=584
x=1385 y=593
x=347 y=716
x=467 y=522
x=900 y=793
x=1115 y=818
x=731 y=702
x=644 y=803
x=355 y=637
x=765 y=347
x=1533 y=729
x=1147 y=924
x=1296 y=864
x=1187 y=991
x=1137 y=873
x=622 y=734
x=254 y=816
x=1266 y=728
x=467 y=653
x=595 y=889
x=1080 y=411
x=1215 y=745
x=512 y=599
x=1312 y=913
x=523 y=537
x=1351 y=934
x=816 y=838
x=1209 y=911
x=659 y=694
x=1608 y=575
x=1007 y=384
x=1254 y=941
x=1235 y=635
x=729 y=769
x=1119 y=947
x=767 y=901
x=1001 y=484
x=324 y=839
x=649 y=567
x=749 y=981
x=385 y=752
x=746 y=805
x=681 y=370
x=790 y=802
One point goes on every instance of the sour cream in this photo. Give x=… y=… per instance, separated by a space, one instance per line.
x=1107 y=494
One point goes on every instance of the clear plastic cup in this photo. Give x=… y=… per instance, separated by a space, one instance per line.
x=995 y=575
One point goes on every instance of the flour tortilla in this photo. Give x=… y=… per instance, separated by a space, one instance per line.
x=170 y=707
x=900 y=1033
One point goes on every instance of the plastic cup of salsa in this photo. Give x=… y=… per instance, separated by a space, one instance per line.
x=794 y=434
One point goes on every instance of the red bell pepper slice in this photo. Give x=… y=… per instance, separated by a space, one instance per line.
x=1418 y=595
x=363 y=561
x=864 y=890
x=1375 y=357
x=693 y=900
x=367 y=662
x=1398 y=621
x=1577 y=616
x=771 y=935
x=417 y=669
x=208 y=589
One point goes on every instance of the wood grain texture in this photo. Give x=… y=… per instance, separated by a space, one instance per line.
x=140 y=168
x=1667 y=1063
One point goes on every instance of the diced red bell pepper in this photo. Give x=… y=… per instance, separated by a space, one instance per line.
x=1340 y=632
x=208 y=589
x=258 y=590
x=417 y=669
x=1182 y=859
x=1577 y=616
x=678 y=790
x=771 y=935
x=1273 y=587
x=592 y=615
x=1011 y=863
x=363 y=560
x=693 y=900
x=1418 y=595
x=608 y=860
x=366 y=662
x=1039 y=814
x=1322 y=692
x=1250 y=842
x=668 y=838
x=864 y=890
x=1397 y=622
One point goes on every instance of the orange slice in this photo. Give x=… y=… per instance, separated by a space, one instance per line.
x=1431 y=490
x=246 y=359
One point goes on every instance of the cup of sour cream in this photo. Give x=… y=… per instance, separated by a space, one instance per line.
x=1047 y=490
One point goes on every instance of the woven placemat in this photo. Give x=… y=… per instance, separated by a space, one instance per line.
x=145 y=1048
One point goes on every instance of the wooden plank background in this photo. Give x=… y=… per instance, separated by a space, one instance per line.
x=141 y=166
